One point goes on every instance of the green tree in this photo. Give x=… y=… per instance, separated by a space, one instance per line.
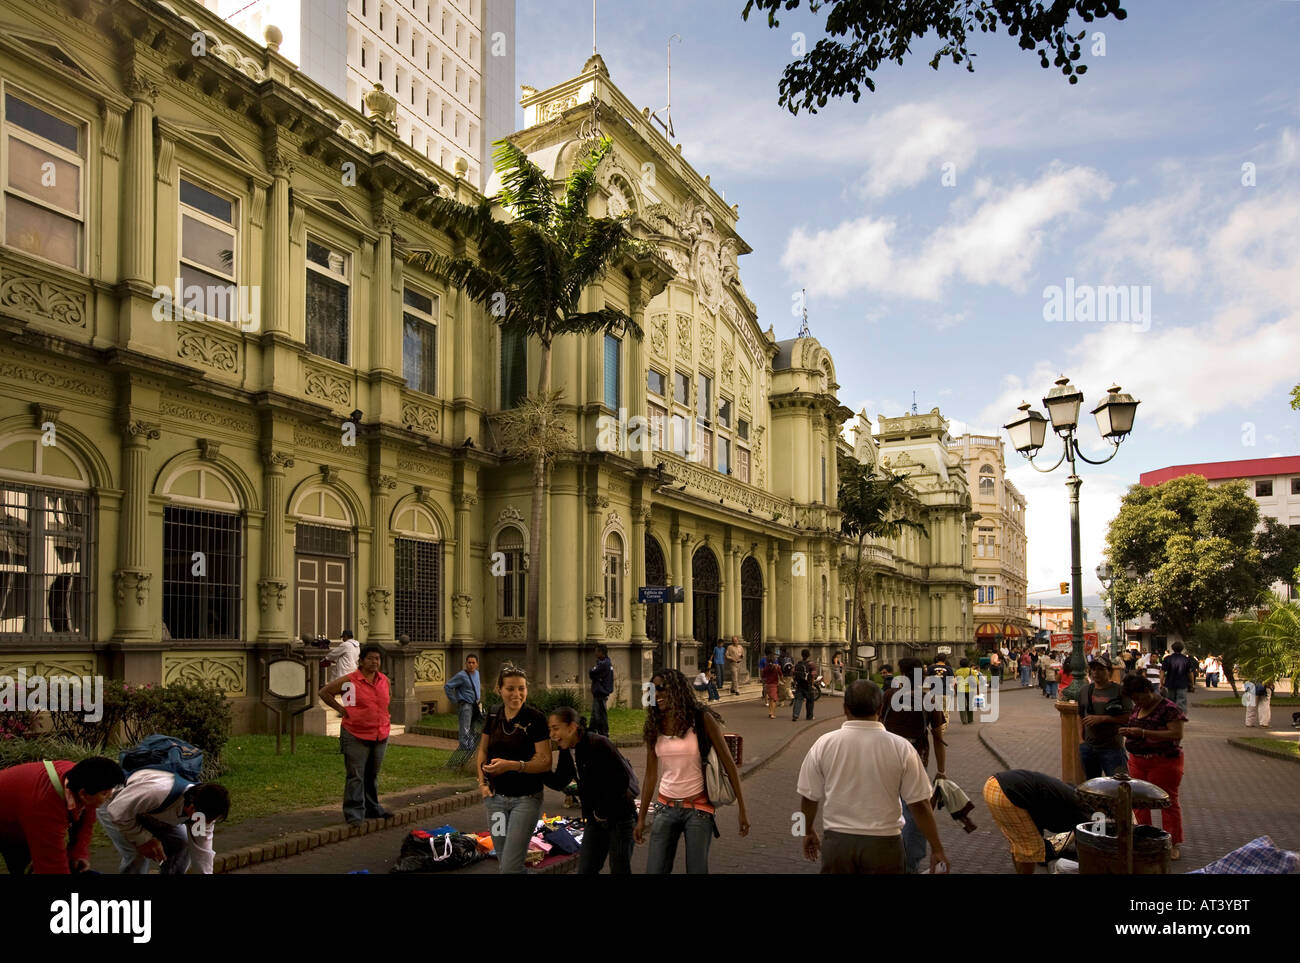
x=879 y=32
x=869 y=505
x=1221 y=639
x=1270 y=648
x=530 y=273
x=1279 y=551
x=1193 y=549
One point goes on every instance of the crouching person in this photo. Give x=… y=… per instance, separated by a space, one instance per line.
x=47 y=813
x=160 y=818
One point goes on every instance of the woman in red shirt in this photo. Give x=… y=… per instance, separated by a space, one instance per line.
x=1153 y=739
x=363 y=733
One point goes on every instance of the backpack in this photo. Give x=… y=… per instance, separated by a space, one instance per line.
x=801 y=676
x=166 y=754
x=787 y=669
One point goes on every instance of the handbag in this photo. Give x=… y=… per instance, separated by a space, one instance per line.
x=717 y=784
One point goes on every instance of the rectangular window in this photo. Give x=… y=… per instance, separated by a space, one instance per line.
x=823 y=479
x=44 y=564
x=742 y=430
x=417 y=601
x=613 y=585
x=1264 y=489
x=658 y=416
x=209 y=246
x=514 y=367
x=202 y=573
x=1295 y=486
x=656 y=383
x=704 y=398
x=979 y=595
x=328 y=299
x=680 y=443
x=512 y=586
x=724 y=412
x=742 y=464
x=43 y=188
x=724 y=455
x=612 y=373
x=420 y=341
x=992 y=595
x=706 y=447
x=681 y=388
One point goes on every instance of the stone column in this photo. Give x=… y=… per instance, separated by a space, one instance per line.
x=383 y=322
x=640 y=522
x=462 y=599
x=379 y=597
x=138 y=199
x=686 y=629
x=273 y=586
x=737 y=625
x=636 y=367
x=280 y=155
x=595 y=570
x=133 y=576
x=770 y=592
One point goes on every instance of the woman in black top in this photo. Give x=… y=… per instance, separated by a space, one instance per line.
x=512 y=756
x=605 y=786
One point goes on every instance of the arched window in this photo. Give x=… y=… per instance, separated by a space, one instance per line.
x=324 y=554
x=614 y=576
x=508 y=567
x=986 y=481
x=45 y=540
x=203 y=542
x=417 y=567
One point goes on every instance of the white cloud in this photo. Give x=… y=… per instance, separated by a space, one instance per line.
x=911 y=143
x=994 y=241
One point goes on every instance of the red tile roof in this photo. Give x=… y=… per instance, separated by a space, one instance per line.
x=1216 y=470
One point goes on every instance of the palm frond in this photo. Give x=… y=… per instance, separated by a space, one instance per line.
x=525 y=190
x=539 y=266
x=577 y=191
x=589 y=322
x=464 y=273
x=604 y=241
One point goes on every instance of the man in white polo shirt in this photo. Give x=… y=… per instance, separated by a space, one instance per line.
x=860 y=771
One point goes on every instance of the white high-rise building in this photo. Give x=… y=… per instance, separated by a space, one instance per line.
x=449 y=63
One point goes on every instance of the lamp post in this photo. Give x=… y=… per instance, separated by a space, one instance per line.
x=1107 y=579
x=1114 y=417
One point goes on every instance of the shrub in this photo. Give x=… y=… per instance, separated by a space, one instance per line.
x=14 y=752
x=553 y=699
x=73 y=727
x=16 y=725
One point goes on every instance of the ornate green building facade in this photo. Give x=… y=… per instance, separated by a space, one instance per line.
x=233 y=414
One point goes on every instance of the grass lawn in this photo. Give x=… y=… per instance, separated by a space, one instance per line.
x=262 y=783
x=1278 y=700
x=1282 y=747
x=623 y=723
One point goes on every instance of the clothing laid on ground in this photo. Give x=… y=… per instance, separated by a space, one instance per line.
x=858 y=772
x=132 y=818
x=40 y=824
x=516 y=740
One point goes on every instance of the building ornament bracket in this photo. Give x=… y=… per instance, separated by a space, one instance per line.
x=269 y=589
x=126 y=580
x=43 y=415
x=377 y=596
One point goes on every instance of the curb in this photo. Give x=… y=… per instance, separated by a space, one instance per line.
x=1261 y=751
x=992 y=747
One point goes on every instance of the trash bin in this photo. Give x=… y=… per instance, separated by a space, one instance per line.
x=1102 y=852
x=1115 y=845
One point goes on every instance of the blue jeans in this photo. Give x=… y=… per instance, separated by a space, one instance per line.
x=800 y=696
x=1101 y=762
x=1179 y=698
x=612 y=838
x=1024 y=675
x=465 y=716
x=517 y=820
x=914 y=844
x=1049 y=689
x=713 y=691
x=362 y=758
x=599 y=717
x=669 y=825
x=175 y=842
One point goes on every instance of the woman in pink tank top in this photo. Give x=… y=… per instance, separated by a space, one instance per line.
x=674 y=776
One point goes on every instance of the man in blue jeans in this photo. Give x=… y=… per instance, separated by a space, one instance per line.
x=463 y=694
x=1102 y=710
x=720 y=661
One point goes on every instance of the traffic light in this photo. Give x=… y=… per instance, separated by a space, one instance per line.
x=1065 y=588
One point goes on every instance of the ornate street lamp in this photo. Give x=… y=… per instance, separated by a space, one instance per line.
x=1115 y=417
x=1106 y=577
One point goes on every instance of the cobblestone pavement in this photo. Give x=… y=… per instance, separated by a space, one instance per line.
x=1229 y=796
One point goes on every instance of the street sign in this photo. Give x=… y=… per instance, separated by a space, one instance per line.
x=944 y=650
x=660 y=594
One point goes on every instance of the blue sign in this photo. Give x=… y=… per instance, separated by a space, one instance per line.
x=659 y=594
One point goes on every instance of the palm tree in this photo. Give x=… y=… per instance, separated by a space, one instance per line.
x=1270 y=647
x=530 y=273
x=867 y=502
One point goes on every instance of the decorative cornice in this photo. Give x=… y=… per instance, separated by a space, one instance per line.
x=277 y=461
x=43 y=415
x=143 y=430
x=466 y=500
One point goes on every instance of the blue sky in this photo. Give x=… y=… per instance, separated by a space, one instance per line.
x=1134 y=177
